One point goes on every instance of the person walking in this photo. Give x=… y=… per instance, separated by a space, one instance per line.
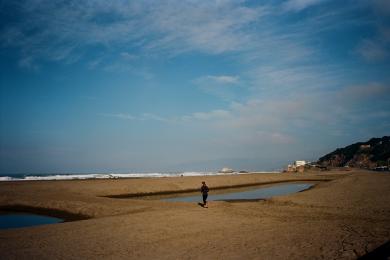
x=205 y=192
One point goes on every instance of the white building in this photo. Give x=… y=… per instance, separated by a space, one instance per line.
x=299 y=163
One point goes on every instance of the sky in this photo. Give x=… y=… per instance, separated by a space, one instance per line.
x=151 y=86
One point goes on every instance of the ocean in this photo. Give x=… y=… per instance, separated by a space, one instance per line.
x=85 y=176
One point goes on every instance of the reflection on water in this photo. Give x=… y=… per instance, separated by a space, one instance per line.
x=259 y=193
x=16 y=220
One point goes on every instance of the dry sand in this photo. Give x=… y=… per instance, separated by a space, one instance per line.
x=343 y=217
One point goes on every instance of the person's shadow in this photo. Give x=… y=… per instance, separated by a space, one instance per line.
x=202 y=205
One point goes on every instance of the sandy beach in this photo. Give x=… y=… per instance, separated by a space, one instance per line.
x=344 y=216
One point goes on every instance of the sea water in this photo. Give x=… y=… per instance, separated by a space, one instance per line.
x=253 y=194
x=74 y=176
x=17 y=220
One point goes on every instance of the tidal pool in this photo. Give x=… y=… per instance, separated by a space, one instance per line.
x=17 y=220
x=252 y=194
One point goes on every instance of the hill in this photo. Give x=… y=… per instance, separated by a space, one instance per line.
x=370 y=154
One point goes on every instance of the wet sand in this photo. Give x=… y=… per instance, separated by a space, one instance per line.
x=344 y=216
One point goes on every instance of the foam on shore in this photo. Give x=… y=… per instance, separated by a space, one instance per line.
x=108 y=176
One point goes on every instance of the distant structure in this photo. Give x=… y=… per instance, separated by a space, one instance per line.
x=226 y=170
x=299 y=163
x=366 y=146
x=297 y=166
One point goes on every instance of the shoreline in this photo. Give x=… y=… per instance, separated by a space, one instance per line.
x=118 y=176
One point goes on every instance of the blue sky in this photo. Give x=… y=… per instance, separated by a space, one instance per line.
x=97 y=86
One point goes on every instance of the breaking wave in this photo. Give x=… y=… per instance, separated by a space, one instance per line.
x=38 y=177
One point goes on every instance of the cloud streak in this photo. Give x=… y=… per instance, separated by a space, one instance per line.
x=223 y=79
x=142 y=117
x=222 y=86
x=282 y=121
x=139 y=30
x=49 y=31
x=299 y=5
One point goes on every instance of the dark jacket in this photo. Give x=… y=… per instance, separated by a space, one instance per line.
x=204 y=189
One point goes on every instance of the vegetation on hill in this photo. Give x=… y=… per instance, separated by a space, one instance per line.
x=370 y=154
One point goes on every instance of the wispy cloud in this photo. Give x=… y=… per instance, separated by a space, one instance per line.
x=49 y=31
x=128 y=56
x=205 y=116
x=211 y=27
x=305 y=113
x=223 y=79
x=287 y=120
x=222 y=86
x=137 y=30
x=285 y=80
x=196 y=116
x=374 y=50
x=142 y=117
x=119 y=115
x=298 y=5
